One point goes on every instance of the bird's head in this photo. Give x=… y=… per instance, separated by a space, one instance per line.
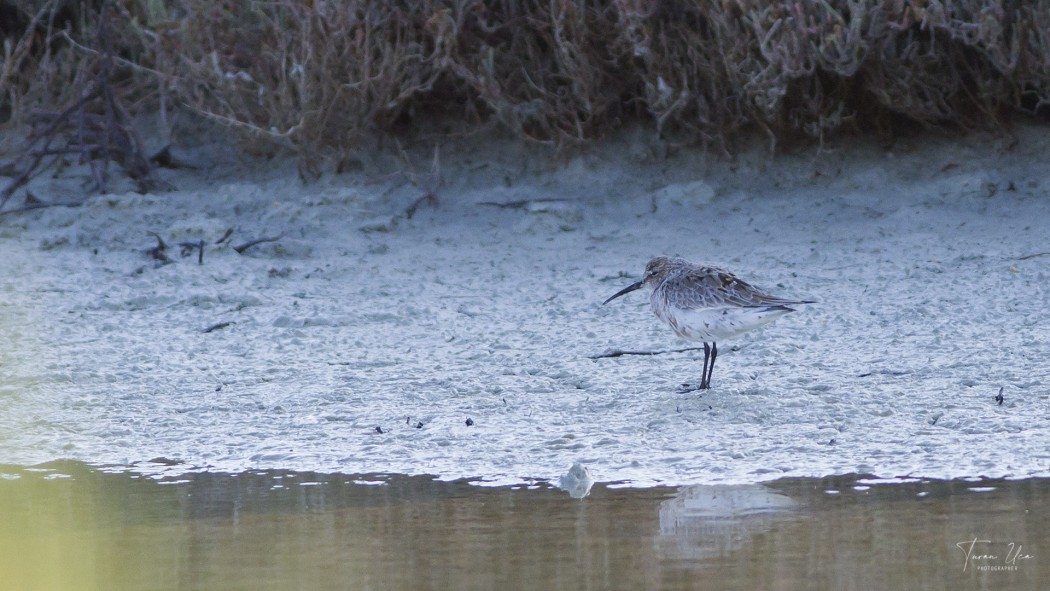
x=655 y=272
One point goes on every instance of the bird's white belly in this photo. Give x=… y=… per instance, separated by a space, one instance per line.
x=717 y=324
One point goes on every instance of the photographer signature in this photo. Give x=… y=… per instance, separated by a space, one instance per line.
x=976 y=555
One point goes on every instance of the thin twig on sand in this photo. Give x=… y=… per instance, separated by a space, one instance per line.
x=620 y=353
x=240 y=249
x=1032 y=256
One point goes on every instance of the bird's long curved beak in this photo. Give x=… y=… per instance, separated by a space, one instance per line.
x=625 y=290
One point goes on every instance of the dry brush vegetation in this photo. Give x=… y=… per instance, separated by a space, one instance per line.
x=322 y=76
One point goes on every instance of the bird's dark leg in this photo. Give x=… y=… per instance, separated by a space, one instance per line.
x=705 y=377
x=711 y=368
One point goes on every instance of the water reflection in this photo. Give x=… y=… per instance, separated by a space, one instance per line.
x=702 y=523
x=68 y=526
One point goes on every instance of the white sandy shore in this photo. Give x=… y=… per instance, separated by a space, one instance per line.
x=357 y=317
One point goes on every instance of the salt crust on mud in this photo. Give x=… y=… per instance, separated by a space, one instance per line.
x=486 y=304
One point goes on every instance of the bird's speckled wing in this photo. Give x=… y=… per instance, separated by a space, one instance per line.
x=710 y=287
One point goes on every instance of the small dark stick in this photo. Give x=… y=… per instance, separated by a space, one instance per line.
x=215 y=327
x=200 y=255
x=160 y=241
x=157 y=252
x=999 y=398
x=240 y=249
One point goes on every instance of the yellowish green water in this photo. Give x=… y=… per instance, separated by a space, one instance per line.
x=70 y=527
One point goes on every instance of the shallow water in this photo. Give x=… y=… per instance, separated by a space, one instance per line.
x=69 y=526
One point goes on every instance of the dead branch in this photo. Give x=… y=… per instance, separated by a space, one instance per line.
x=521 y=203
x=30 y=206
x=95 y=127
x=1032 y=256
x=619 y=353
x=187 y=248
x=240 y=249
x=216 y=326
x=430 y=183
x=157 y=252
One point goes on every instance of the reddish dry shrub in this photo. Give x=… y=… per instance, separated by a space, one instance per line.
x=321 y=76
